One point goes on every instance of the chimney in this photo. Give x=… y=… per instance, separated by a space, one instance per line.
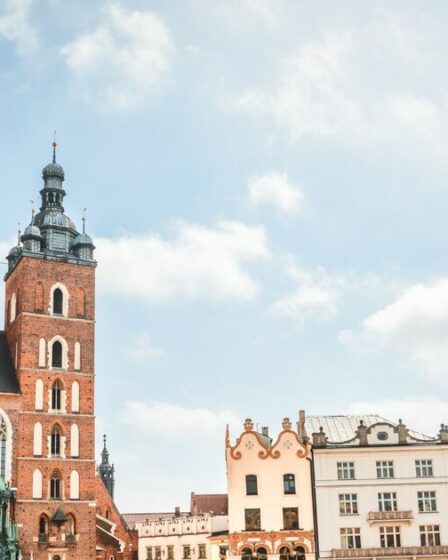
x=265 y=431
x=177 y=511
x=301 y=428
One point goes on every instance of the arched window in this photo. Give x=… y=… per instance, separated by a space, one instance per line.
x=74 y=440
x=56 y=393
x=74 y=485
x=43 y=525
x=55 y=446
x=39 y=298
x=285 y=553
x=300 y=553
x=37 y=442
x=107 y=513
x=246 y=554
x=42 y=352
x=56 y=354
x=262 y=553
x=3 y=446
x=71 y=525
x=75 y=396
x=55 y=486
x=251 y=485
x=289 y=483
x=77 y=357
x=58 y=302
x=13 y=308
x=37 y=484
x=81 y=303
x=39 y=395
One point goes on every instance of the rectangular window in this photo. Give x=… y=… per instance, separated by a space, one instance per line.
x=351 y=537
x=289 y=484
x=348 y=504
x=187 y=552
x=426 y=501
x=170 y=552
x=251 y=485
x=290 y=518
x=423 y=468
x=252 y=519
x=430 y=535
x=149 y=553
x=390 y=537
x=202 y=551
x=346 y=471
x=158 y=551
x=387 y=501
x=385 y=469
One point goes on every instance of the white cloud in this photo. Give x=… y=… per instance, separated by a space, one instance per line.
x=275 y=189
x=200 y=263
x=143 y=348
x=424 y=414
x=165 y=419
x=122 y=61
x=415 y=326
x=15 y=25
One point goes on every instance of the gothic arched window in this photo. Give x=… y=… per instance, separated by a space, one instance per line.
x=55 y=486
x=55 y=441
x=43 y=525
x=56 y=393
x=56 y=354
x=3 y=439
x=58 y=301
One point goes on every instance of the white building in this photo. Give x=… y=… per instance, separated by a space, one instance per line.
x=181 y=535
x=381 y=490
x=270 y=495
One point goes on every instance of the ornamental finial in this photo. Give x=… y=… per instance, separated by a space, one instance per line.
x=84 y=220
x=54 y=144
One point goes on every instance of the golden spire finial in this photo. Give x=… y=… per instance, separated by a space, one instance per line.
x=54 y=144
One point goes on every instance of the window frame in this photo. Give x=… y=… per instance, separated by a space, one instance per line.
x=429 y=533
x=346 y=470
x=254 y=512
x=383 y=500
x=351 y=536
x=422 y=465
x=289 y=484
x=390 y=534
x=348 y=504
x=292 y=526
x=385 y=469
x=251 y=485
x=425 y=497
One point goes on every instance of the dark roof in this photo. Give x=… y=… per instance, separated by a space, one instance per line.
x=209 y=503
x=8 y=379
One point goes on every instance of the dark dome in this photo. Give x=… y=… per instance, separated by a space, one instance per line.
x=82 y=239
x=53 y=170
x=53 y=218
x=31 y=231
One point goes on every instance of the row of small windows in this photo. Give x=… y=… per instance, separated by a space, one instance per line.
x=59 y=300
x=55 y=441
x=387 y=501
x=289 y=484
x=156 y=552
x=55 y=486
x=58 y=354
x=284 y=552
x=385 y=469
x=252 y=519
x=390 y=537
x=57 y=396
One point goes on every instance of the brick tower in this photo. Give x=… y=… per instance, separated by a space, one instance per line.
x=49 y=326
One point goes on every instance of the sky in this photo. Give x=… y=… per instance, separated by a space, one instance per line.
x=266 y=183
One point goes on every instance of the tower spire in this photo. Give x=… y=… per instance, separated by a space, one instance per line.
x=107 y=471
x=54 y=144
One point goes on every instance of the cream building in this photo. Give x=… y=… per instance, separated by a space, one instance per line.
x=381 y=489
x=270 y=495
x=182 y=535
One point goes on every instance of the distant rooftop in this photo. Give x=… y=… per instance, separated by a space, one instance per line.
x=209 y=503
x=341 y=428
x=133 y=518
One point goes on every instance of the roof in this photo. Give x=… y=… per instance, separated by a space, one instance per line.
x=8 y=379
x=133 y=518
x=209 y=503
x=343 y=427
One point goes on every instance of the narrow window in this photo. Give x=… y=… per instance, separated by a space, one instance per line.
x=56 y=354
x=13 y=308
x=289 y=484
x=158 y=550
x=350 y=537
x=42 y=526
x=149 y=553
x=290 y=518
x=252 y=519
x=390 y=537
x=74 y=485
x=251 y=485
x=39 y=395
x=55 y=486
x=170 y=554
x=77 y=358
x=74 y=440
x=186 y=552
x=56 y=396
x=37 y=442
x=75 y=396
x=37 y=484
x=58 y=302
x=42 y=352
x=55 y=442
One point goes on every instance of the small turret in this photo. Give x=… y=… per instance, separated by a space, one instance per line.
x=32 y=237
x=107 y=471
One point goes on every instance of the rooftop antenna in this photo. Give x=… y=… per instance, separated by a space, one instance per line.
x=54 y=144
x=32 y=211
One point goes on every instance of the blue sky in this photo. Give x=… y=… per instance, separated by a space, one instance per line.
x=266 y=183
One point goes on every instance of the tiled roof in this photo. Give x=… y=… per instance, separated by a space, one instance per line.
x=8 y=379
x=342 y=428
x=209 y=503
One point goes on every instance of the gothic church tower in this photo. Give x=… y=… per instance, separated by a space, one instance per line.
x=49 y=327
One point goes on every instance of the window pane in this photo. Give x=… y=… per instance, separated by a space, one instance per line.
x=252 y=519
